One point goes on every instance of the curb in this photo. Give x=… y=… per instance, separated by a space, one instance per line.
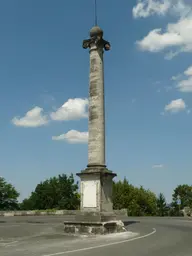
x=122 y=213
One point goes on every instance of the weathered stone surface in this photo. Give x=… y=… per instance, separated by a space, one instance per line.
x=95 y=216
x=121 y=213
x=100 y=196
x=8 y=214
x=96 y=141
x=93 y=228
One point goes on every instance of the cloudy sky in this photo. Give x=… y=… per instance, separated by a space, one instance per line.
x=44 y=90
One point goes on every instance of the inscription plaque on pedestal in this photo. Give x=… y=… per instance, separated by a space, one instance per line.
x=89 y=194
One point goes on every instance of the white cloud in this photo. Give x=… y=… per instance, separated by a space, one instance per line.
x=33 y=118
x=182 y=8
x=185 y=85
x=73 y=137
x=73 y=109
x=157 y=166
x=188 y=72
x=175 y=106
x=177 y=37
x=146 y=8
x=177 y=77
x=170 y=55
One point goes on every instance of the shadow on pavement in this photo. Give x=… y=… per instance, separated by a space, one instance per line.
x=127 y=223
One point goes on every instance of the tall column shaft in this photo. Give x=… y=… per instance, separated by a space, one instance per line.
x=96 y=141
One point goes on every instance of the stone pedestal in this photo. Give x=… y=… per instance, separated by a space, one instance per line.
x=96 y=189
x=96 y=215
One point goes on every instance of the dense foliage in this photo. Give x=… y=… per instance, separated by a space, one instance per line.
x=61 y=192
x=138 y=201
x=162 y=208
x=8 y=196
x=55 y=193
x=184 y=194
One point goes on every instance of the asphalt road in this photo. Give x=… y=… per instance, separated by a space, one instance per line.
x=43 y=236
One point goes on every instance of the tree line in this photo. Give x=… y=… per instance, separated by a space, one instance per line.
x=61 y=192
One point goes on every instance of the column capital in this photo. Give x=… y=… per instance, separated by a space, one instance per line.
x=98 y=42
x=96 y=39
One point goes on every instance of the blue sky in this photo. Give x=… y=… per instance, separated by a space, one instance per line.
x=148 y=85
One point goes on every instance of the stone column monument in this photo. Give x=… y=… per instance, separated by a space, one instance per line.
x=96 y=211
x=96 y=180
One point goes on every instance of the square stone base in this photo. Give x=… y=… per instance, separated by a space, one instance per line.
x=93 y=228
x=92 y=216
x=96 y=189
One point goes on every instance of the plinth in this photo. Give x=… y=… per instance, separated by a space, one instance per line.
x=96 y=215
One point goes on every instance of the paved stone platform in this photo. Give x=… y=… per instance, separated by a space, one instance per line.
x=91 y=228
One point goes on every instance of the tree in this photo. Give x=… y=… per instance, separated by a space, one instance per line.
x=8 y=196
x=184 y=193
x=55 y=193
x=146 y=200
x=162 y=209
x=138 y=201
x=123 y=194
x=28 y=203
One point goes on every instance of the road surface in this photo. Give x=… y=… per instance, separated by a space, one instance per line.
x=43 y=236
